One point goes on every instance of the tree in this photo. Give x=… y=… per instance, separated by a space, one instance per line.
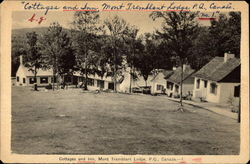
x=18 y=46
x=132 y=44
x=223 y=35
x=179 y=30
x=144 y=58
x=117 y=28
x=85 y=30
x=58 y=51
x=34 y=58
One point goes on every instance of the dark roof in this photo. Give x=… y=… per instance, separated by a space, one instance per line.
x=217 y=69
x=166 y=73
x=176 y=76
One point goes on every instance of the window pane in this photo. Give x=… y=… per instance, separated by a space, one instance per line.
x=198 y=84
x=44 y=80
x=100 y=84
x=32 y=80
x=213 y=88
x=205 y=84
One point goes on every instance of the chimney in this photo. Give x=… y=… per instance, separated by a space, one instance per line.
x=21 y=59
x=184 y=67
x=228 y=56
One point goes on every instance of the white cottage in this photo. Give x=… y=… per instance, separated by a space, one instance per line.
x=173 y=82
x=158 y=82
x=25 y=77
x=219 y=80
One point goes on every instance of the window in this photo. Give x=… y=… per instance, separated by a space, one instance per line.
x=32 y=80
x=17 y=78
x=237 y=91
x=213 y=88
x=169 y=85
x=159 y=87
x=24 y=80
x=44 y=80
x=90 y=82
x=177 y=88
x=111 y=86
x=205 y=83
x=198 y=84
x=100 y=84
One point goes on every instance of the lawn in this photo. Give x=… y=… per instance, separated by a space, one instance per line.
x=75 y=122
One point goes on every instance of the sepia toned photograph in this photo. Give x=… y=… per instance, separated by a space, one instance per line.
x=147 y=83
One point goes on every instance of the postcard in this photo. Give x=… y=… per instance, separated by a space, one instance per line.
x=124 y=81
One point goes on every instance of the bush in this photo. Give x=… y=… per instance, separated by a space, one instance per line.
x=48 y=86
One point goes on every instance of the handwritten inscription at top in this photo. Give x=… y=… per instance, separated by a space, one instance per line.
x=172 y=6
x=38 y=6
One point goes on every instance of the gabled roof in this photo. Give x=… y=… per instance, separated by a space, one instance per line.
x=166 y=73
x=217 y=69
x=176 y=76
x=40 y=72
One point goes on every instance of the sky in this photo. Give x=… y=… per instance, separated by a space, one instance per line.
x=139 y=19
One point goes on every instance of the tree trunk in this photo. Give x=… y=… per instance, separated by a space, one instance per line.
x=35 y=86
x=86 y=79
x=85 y=71
x=130 y=85
x=114 y=58
x=53 y=80
x=181 y=84
x=57 y=81
x=115 y=79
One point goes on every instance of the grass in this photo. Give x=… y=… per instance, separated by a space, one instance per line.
x=74 y=122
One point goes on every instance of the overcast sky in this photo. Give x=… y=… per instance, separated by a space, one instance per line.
x=139 y=19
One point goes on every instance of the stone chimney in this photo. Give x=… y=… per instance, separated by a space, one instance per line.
x=228 y=56
x=21 y=59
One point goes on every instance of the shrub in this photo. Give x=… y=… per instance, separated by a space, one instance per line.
x=48 y=86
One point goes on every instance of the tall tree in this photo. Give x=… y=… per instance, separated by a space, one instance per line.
x=117 y=28
x=86 y=27
x=223 y=35
x=33 y=59
x=144 y=58
x=58 y=51
x=132 y=47
x=179 y=29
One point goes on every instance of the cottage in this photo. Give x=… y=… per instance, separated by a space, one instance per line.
x=25 y=77
x=159 y=82
x=219 y=80
x=173 y=82
x=95 y=82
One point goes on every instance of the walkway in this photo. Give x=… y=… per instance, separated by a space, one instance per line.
x=222 y=110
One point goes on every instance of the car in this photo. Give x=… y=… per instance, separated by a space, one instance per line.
x=146 y=90
x=137 y=90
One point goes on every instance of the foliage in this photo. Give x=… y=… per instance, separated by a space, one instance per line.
x=85 y=30
x=118 y=29
x=58 y=50
x=178 y=30
x=222 y=36
x=33 y=59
